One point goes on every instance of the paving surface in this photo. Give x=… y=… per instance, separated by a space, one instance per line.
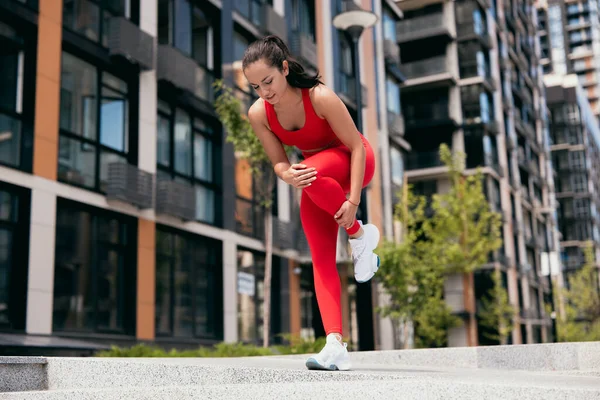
x=443 y=374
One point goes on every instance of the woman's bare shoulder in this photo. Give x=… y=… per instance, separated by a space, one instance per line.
x=257 y=111
x=321 y=96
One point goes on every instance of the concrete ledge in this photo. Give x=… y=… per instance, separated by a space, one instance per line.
x=72 y=373
x=22 y=374
x=414 y=389
x=529 y=357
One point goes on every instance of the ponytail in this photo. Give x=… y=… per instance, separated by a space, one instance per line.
x=274 y=51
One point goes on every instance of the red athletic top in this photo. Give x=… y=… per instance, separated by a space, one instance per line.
x=315 y=134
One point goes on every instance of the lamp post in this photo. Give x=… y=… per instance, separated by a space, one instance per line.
x=354 y=20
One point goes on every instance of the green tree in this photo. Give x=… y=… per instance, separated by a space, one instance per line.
x=497 y=314
x=413 y=278
x=248 y=147
x=458 y=237
x=581 y=319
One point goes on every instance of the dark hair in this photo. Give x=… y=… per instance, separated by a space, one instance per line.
x=272 y=49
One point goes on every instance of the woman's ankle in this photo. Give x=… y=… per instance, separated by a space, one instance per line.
x=338 y=336
x=358 y=233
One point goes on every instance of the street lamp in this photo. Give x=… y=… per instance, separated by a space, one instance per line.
x=354 y=20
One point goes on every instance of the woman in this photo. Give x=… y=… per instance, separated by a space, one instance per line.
x=296 y=109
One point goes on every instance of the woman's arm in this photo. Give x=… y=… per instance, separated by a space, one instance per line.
x=330 y=106
x=297 y=175
x=270 y=142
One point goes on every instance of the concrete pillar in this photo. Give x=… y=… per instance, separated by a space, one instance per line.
x=40 y=285
x=47 y=100
x=230 y=328
x=294 y=293
x=146 y=260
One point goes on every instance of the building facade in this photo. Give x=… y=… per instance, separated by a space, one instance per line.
x=570 y=42
x=124 y=213
x=473 y=82
x=575 y=144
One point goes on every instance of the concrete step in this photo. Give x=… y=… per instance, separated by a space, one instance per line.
x=528 y=357
x=463 y=385
x=566 y=370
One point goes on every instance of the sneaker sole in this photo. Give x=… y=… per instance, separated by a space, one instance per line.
x=314 y=365
x=374 y=268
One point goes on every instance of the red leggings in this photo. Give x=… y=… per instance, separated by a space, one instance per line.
x=319 y=203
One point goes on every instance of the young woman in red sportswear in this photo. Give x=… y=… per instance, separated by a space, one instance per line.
x=297 y=109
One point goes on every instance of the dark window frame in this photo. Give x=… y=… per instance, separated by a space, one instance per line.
x=19 y=226
x=127 y=303
x=216 y=142
x=259 y=274
x=131 y=79
x=25 y=43
x=214 y=306
x=104 y=8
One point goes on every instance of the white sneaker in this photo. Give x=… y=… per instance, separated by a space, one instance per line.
x=366 y=263
x=333 y=357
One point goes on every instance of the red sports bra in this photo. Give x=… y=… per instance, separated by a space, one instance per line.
x=315 y=134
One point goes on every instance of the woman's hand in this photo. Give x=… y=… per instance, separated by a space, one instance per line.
x=299 y=176
x=346 y=215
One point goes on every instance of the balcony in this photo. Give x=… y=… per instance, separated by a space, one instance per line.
x=305 y=49
x=491 y=160
x=129 y=184
x=473 y=30
x=430 y=72
x=421 y=160
x=424 y=27
x=128 y=41
x=426 y=116
x=406 y=5
x=184 y=73
x=175 y=199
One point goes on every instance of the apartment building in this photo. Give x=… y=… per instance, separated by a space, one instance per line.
x=569 y=33
x=575 y=145
x=473 y=81
x=124 y=213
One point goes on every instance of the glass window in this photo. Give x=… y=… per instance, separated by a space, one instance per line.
x=397 y=166
x=192 y=160
x=183 y=135
x=393 y=96
x=11 y=93
x=188 y=295
x=91 y=18
x=93 y=268
x=240 y=43
x=185 y=27
x=14 y=254
x=250 y=295
x=113 y=114
x=389 y=25
x=91 y=131
x=303 y=18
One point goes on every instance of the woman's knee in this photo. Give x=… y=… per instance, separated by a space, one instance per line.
x=334 y=163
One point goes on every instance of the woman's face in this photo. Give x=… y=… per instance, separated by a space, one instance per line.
x=270 y=83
